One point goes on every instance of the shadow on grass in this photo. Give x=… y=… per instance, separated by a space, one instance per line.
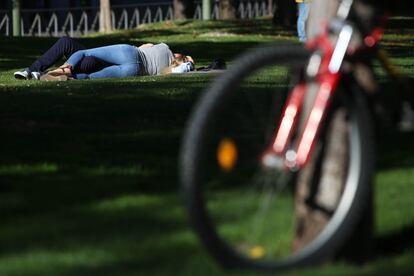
x=400 y=23
x=392 y=156
x=394 y=243
x=88 y=176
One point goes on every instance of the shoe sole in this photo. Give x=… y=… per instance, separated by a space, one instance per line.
x=20 y=77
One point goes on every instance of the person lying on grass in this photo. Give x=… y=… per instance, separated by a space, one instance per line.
x=114 y=61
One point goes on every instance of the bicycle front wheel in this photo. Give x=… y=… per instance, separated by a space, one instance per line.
x=247 y=215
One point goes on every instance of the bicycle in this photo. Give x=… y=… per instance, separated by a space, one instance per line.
x=278 y=155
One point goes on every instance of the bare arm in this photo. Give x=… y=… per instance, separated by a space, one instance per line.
x=146 y=45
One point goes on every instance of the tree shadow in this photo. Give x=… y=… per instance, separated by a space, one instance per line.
x=394 y=243
x=113 y=184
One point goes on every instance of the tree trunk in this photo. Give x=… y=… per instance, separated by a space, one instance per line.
x=183 y=9
x=270 y=7
x=315 y=204
x=322 y=185
x=227 y=9
x=105 y=16
x=285 y=13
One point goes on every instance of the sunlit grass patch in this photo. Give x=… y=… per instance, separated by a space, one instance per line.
x=50 y=262
x=25 y=169
x=394 y=199
x=126 y=202
x=132 y=170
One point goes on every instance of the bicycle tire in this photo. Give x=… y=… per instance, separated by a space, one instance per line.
x=211 y=122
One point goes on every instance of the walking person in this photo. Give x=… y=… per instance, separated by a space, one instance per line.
x=303 y=12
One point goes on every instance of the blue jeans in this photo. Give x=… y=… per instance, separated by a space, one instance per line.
x=123 y=57
x=303 y=12
x=65 y=47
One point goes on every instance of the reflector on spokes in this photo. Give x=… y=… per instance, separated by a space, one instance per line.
x=227 y=154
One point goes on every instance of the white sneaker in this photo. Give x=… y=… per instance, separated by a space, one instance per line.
x=22 y=75
x=36 y=75
x=25 y=74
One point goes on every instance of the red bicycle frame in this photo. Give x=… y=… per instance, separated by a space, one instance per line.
x=328 y=60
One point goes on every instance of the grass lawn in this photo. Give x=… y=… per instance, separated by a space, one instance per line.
x=88 y=169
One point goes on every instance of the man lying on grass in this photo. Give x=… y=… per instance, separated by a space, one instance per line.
x=114 y=61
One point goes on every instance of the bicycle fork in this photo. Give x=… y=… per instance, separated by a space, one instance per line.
x=324 y=70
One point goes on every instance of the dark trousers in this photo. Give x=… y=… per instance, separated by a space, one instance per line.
x=65 y=47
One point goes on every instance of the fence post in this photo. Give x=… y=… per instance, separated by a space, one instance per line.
x=16 y=17
x=206 y=7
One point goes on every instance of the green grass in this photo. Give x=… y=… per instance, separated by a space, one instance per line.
x=88 y=169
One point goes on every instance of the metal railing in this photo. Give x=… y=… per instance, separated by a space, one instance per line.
x=78 y=21
x=246 y=9
x=4 y=23
x=251 y=9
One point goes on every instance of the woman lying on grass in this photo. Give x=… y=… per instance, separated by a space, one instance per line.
x=114 y=61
